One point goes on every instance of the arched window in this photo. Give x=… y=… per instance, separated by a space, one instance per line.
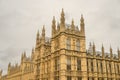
x=68 y=63
x=78 y=64
x=78 y=45
x=68 y=43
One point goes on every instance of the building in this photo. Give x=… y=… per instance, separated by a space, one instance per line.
x=64 y=57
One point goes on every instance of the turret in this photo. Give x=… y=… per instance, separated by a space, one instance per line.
x=62 y=21
x=94 y=51
x=82 y=25
x=103 y=53
x=53 y=26
x=111 y=54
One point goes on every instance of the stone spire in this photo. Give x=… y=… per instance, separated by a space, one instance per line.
x=82 y=25
x=37 y=38
x=103 y=53
x=53 y=26
x=43 y=35
x=72 y=25
x=94 y=50
x=22 y=58
x=111 y=54
x=62 y=21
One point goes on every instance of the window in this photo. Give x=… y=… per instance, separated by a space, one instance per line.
x=56 y=78
x=78 y=64
x=90 y=78
x=101 y=67
x=109 y=67
x=78 y=45
x=118 y=68
x=68 y=63
x=79 y=78
x=91 y=65
x=68 y=43
x=69 y=78
x=57 y=63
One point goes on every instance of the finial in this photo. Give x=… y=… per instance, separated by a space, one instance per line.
x=43 y=30
x=111 y=54
x=102 y=50
x=82 y=19
x=62 y=11
x=94 y=51
x=62 y=19
x=72 y=25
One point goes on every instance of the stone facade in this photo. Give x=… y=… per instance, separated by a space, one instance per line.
x=64 y=57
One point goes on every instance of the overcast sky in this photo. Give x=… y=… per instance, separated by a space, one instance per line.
x=20 y=20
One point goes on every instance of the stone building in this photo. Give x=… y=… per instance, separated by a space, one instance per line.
x=64 y=57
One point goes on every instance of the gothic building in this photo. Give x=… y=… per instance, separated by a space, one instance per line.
x=64 y=57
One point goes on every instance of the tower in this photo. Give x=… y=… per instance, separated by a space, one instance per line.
x=68 y=41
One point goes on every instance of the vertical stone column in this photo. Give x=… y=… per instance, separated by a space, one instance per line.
x=62 y=65
x=104 y=68
x=113 y=70
x=84 y=66
x=52 y=67
x=95 y=68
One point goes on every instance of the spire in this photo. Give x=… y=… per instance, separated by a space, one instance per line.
x=43 y=35
x=53 y=26
x=22 y=57
x=37 y=38
x=72 y=25
x=111 y=54
x=43 y=31
x=62 y=20
x=82 y=24
x=94 y=51
x=103 y=53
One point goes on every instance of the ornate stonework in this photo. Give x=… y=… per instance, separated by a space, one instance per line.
x=64 y=57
